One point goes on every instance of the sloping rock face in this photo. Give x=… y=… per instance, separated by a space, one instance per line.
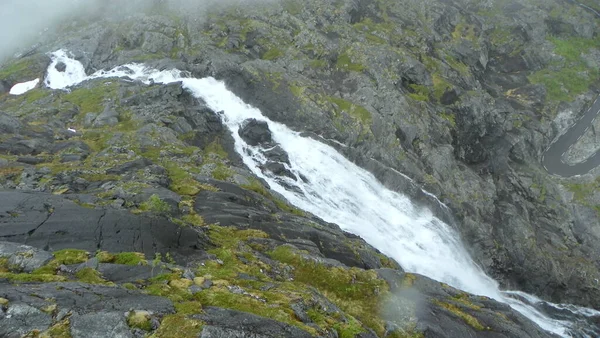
x=461 y=96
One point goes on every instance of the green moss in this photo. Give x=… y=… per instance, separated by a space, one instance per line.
x=357 y=292
x=129 y=286
x=177 y=326
x=345 y=62
x=58 y=330
x=356 y=111
x=156 y=205
x=348 y=330
x=440 y=86
x=187 y=308
x=564 y=81
x=450 y=118
x=318 y=63
x=66 y=257
x=193 y=219
x=419 y=92
x=257 y=187
x=470 y=320
x=216 y=148
x=91 y=100
x=29 y=278
x=139 y=320
x=22 y=68
x=272 y=54
x=464 y=31
x=90 y=276
x=222 y=172
x=130 y=258
x=35 y=95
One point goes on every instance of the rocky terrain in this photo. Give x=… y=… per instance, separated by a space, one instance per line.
x=145 y=217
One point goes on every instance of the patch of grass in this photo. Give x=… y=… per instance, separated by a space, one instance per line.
x=91 y=100
x=66 y=257
x=156 y=205
x=139 y=320
x=187 y=308
x=90 y=276
x=464 y=31
x=272 y=54
x=357 y=292
x=419 y=92
x=222 y=172
x=257 y=187
x=58 y=330
x=564 y=81
x=177 y=326
x=440 y=86
x=344 y=62
x=193 y=219
x=130 y=258
x=356 y=111
x=29 y=278
x=450 y=118
x=470 y=320
x=318 y=63
x=21 y=68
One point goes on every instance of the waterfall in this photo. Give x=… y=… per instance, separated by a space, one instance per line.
x=340 y=192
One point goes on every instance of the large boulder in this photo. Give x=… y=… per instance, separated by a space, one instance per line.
x=255 y=132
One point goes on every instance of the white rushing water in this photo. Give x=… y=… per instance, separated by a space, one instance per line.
x=337 y=191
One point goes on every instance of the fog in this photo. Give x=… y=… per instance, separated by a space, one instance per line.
x=23 y=23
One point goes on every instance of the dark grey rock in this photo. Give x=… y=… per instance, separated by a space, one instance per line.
x=52 y=222
x=278 y=169
x=20 y=318
x=101 y=325
x=119 y=273
x=25 y=257
x=255 y=132
x=130 y=166
x=61 y=67
x=221 y=323
x=71 y=158
x=9 y=124
x=109 y=117
x=31 y=160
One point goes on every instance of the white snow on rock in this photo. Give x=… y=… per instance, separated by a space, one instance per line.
x=24 y=87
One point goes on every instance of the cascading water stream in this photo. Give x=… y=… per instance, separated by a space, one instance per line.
x=338 y=191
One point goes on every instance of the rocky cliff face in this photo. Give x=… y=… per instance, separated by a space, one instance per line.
x=461 y=96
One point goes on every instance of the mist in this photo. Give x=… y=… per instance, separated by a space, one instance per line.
x=24 y=23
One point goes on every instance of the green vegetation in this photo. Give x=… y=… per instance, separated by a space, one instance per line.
x=582 y=193
x=91 y=100
x=91 y=276
x=566 y=79
x=177 y=326
x=23 y=68
x=58 y=330
x=344 y=62
x=156 y=205
x=257 y=187
x=140 y=320
x=126 y=258
x=272 y=54
x=354 y=110
x=419 y=92
x=472 y=321
x=464 y=31
x=357 y=292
